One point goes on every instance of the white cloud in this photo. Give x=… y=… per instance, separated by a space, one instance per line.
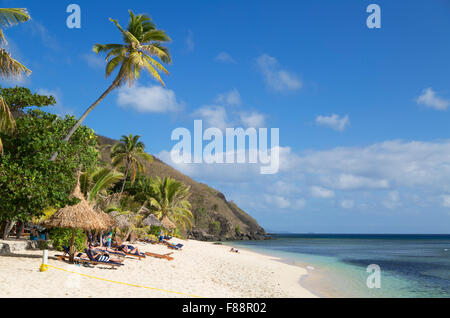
x=319 y=192
x=347 y=204
x=348 y=182
x=445 y=200
x=232 y=98
x=430 y=99
x=221 y=116
x=252 y=119
x=390 y=164
x=153 y=99
x=277 y=201
x=334 y=121
x=224 y=57
x=190 y=45
x=275 y=76
x=213 y=116
x=94 y=61
x=383 y=176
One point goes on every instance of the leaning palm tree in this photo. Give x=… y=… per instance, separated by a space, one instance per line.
x=142 y=42
x=169 y=199
x=9 y=67
x=130 y=153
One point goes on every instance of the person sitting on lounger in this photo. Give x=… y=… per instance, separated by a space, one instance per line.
x=129 y=249
x=102 y=257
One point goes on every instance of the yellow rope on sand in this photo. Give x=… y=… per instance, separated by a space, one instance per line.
x=44 y=267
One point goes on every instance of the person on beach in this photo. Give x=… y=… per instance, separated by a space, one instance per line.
x=129 y=249
x=161 y=235
x=234 y=250
x=109 y=239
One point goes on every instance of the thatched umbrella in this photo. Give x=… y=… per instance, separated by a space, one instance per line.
x=168 y=224
x=78 y=216
x=151 y=220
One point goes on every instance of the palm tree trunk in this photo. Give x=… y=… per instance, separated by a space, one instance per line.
x=83 y=117
x=124 y=180
x=20 y=229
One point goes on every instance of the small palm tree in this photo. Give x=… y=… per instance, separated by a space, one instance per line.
x=96 y=181
x=130 y=153
x=142 y=42
x=9 y=67
x=169 y=199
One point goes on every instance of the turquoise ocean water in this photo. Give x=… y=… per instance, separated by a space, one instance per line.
x=411 y=265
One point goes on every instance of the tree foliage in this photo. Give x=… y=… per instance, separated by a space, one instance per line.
x=18 y=98
x=142 y=42
x=130 y=154
x=61 y=237
x=29 y=182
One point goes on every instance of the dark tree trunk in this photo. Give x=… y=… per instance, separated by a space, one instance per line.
x=72 y=252
x=20 y=228
x=86 y=113
x=124 y=181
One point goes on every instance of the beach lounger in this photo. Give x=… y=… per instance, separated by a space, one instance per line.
x=105 y=250
x=88 y=261
x=149 y=241
x=173 y=246
x=164 y=256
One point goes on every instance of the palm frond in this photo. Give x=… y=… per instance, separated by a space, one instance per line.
x=13 y=16
x=10 y=67
x=7 y=123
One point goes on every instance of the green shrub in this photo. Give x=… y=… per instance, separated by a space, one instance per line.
x=150 y=237
x=61 y=237
x=154 y=230
x=237 y=229
x=178 y=234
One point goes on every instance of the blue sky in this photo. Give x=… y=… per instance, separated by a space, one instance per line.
x=362 y=113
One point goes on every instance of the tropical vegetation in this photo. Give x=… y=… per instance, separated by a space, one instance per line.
x=33 y=188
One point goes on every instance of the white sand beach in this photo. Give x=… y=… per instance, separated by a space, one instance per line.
x=201 y=269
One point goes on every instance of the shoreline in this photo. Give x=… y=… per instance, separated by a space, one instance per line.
x=201 y=269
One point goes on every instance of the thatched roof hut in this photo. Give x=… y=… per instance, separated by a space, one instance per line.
x=122 y=221
x=107 y=219
x=151 y=220
x=168 y=224
x=78 y=216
